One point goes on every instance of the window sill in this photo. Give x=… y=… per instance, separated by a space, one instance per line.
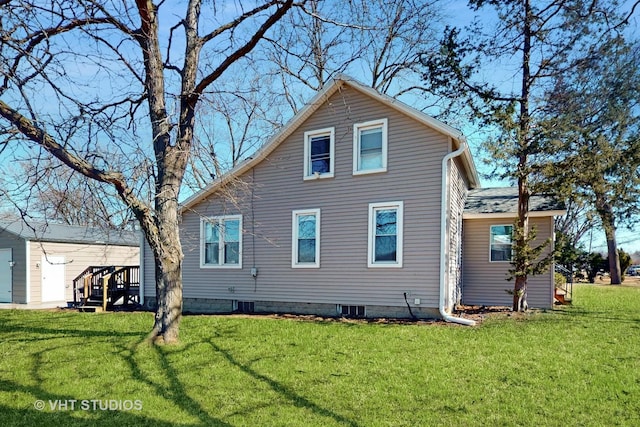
x=378 y=265
x=224 y=267
x=369 y=171
x=316 y=177
x=316 y=266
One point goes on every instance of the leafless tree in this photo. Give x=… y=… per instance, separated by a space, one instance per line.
x=378 y=41
x=402 y=31
x=111 y=88
x=577 y=222
x=53 y=192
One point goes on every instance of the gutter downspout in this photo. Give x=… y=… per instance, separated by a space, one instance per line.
x=443 y=234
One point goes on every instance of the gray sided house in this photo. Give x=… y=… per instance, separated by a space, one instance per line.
x=356 y=207
x=39 y=261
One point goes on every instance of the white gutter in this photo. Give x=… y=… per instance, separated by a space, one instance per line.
x=443 y=234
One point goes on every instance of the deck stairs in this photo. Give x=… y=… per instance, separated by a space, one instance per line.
x=564 y=293
x=107 y=288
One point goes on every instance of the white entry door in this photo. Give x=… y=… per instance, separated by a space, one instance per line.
x=52 y=278
x=6 y=281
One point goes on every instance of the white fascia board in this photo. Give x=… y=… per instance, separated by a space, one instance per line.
x=512 y=215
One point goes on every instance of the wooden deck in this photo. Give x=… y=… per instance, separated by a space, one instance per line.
x=108 y=287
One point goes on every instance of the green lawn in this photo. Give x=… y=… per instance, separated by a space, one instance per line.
x=571 y=366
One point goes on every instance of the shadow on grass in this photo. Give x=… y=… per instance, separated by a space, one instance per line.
x=286 y=392
x=580 y=313
x=8 y=326
x=175 y=391
x=50 y=414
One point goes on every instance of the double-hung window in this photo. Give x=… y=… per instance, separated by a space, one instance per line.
x=319 y=153
x=385 y=234
x=305 y=239
x=370 y=147
x=501 y=242
x=221 y=242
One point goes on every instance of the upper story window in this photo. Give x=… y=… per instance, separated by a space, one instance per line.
x=305 y=239
x=221 y=242
x=319 y=153
x=501 y=242
x=370 y=147
x=385 y=234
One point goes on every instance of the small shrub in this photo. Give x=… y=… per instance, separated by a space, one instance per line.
x=559 y=280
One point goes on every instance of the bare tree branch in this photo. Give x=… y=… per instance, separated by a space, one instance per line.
x=246 y=48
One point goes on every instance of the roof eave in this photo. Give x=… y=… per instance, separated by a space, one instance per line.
x=470 y=165
x=510 y=215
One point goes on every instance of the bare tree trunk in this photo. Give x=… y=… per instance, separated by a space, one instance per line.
x=169 y=301
x=168 y=256
x=521 y=260
x=607 y=217
x=614 y=257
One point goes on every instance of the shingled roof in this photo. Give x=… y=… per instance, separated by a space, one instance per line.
x=503 y=201
x=62 y=233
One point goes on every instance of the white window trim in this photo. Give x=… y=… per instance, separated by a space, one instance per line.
x=307 y=175
x=214 y=219
x=373 y=207
x=500 y=225
x=294 y=238
x=356 y=145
